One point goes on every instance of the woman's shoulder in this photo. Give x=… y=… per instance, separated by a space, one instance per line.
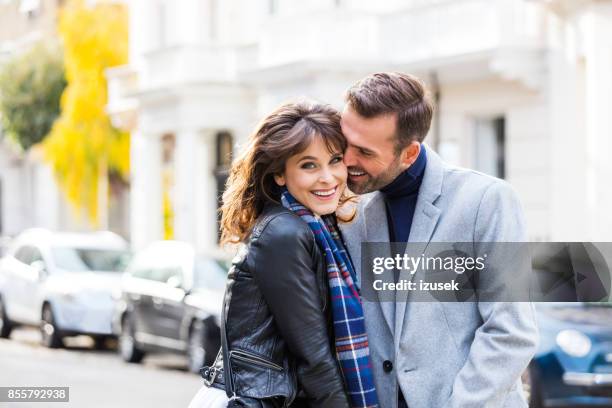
x=278 y=221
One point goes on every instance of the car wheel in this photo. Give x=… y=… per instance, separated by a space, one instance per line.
x=50 y=333
x=128 y=349
x=5 y=324
x=196 y=351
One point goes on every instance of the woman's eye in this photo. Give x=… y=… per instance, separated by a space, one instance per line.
x=336 y=159
x=308 y=165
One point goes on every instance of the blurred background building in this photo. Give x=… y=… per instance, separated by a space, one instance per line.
x=523 y=91
x=28 y=193
x=522 y=87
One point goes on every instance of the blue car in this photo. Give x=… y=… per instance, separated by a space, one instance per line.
x=573 y=366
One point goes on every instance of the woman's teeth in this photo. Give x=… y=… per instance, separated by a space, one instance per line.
x=325 y=193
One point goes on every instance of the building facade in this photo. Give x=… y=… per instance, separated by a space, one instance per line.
x=522 y=90
x=25 y=182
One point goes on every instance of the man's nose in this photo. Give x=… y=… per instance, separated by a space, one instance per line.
x=349 y=158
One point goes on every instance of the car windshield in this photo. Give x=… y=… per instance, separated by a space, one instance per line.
x=210 y=273
x=90 y=259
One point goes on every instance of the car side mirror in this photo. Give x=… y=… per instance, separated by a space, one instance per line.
x=39 y=267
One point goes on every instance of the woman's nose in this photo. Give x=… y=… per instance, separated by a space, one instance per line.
x=326 y=176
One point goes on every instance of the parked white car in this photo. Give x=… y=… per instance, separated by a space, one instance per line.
x=62 y=283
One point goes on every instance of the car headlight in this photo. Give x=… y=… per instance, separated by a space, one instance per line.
x=574 y=343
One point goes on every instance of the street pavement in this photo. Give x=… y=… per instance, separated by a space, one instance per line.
x=97 y=379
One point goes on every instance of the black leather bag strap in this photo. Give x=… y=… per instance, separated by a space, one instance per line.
x=227 y=367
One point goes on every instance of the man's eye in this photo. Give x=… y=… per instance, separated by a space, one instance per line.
x=308 y=165
x=364 y=153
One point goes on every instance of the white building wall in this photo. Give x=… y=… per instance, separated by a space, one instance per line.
x=527 y=142
x=597 y=31
x=211 y=65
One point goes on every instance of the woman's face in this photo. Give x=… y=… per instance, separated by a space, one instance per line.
x=315 y=177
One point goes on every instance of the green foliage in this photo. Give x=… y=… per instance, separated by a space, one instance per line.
x=31 y=86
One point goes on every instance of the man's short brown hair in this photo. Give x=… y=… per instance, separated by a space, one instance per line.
x=394 y=93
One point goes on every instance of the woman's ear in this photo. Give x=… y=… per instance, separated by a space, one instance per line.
x=279 y=179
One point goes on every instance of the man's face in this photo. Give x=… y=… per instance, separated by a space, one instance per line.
x=370 y=155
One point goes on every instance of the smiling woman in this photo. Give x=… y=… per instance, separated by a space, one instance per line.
x=277 y=326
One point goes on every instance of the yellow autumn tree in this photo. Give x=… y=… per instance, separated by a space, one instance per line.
x=83 y=147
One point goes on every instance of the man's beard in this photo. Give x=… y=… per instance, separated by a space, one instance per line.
x=370 y=183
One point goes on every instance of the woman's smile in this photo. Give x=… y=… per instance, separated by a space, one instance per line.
x=325 y=194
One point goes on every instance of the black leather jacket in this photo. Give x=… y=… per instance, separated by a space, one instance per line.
x=278 y=319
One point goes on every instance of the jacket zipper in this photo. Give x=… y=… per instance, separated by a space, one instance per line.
x=291 y=398
x=250 y=358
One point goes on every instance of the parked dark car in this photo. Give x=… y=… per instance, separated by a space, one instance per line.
x=171 y=301
x=573 y=366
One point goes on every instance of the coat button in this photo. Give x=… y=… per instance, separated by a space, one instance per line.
x=387 y=366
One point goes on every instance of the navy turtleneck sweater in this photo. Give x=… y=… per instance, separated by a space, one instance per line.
x=401 y=197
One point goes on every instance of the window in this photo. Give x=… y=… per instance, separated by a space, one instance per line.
x=24 y=254
x=35 y=255
x=164 y=273
x=272 y=6
x=490 y=146
x=141 y=273
x=162 y=17
x=86 y=259
x=168 y=143
x=30 y=7
x=225 y=147
x=212 y=20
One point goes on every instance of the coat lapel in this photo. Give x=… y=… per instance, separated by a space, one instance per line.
x=424 y=222
x=377 y=230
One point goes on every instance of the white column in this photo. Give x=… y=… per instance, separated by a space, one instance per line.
x=185 y=157
x=146 y=218
x=597 y=33
x=195 y=198
x=568 y=198
x=206 y=192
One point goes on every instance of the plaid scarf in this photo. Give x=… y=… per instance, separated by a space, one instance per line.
x=351 y=340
